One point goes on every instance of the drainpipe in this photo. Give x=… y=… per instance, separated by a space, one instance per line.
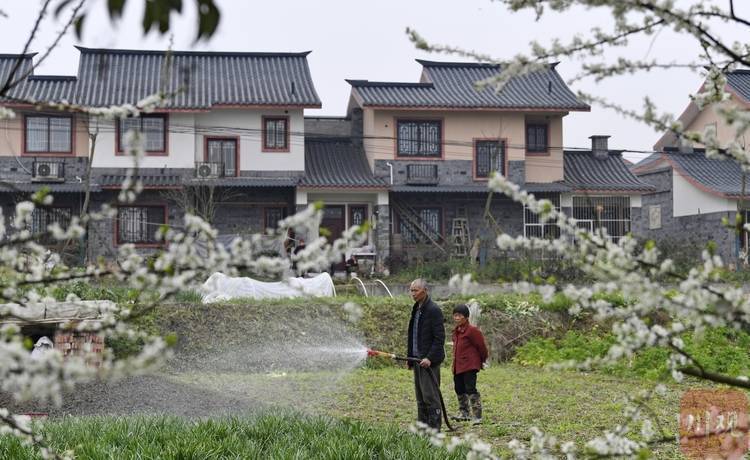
x=390 y=167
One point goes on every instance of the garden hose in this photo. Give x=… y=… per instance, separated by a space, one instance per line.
x=416 y=361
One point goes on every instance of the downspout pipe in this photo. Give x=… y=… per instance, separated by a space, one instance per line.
x=390 y=168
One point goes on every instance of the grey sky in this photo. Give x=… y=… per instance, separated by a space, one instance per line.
x=366 y=40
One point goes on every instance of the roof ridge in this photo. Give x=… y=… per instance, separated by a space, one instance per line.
x=16 y=56
x=391 y=84
x=192 y=53
x=53 y=77
x=426 y=63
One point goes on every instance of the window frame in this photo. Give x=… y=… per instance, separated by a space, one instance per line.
x=118 y=133
x=264 y=120
x=543 y=227
x=503 y=144
x=536 y=123
x=118 y=242
x=47 y=240
x=596 y=224
x=441 y=127
x=235 y=139
x=284 y=213
x=48 y=152
x=417 y=209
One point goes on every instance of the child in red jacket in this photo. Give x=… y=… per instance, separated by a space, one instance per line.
x=469 y=352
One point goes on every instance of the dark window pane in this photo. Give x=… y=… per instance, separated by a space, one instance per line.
x=37 y=139
x=152 y=129
x=275 y=133
x=139 y=224
x=273 y=216
x=419 y=138
x=358 y=215
x=430 y=222
x=48 y=134
x=490 y=157
x=536 y=137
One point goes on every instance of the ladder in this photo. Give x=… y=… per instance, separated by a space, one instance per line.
x=460 y=236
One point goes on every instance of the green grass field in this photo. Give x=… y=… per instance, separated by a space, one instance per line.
x=366 y=414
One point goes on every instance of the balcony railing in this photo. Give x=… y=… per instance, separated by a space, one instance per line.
x=48 y=171
x=209 y=169
x=422 y=174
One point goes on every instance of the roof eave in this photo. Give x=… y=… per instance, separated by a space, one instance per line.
x=486 y=109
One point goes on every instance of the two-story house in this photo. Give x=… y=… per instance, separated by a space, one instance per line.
x=229 y=138
x=437 y=142
x=41 y=149
x=693 y=193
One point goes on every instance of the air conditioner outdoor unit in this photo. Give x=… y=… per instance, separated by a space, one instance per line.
x=45 y=171
x=206 y=170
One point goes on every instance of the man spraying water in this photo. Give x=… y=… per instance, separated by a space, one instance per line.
x=426 y=341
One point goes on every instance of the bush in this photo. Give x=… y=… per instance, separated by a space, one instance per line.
x=721 y=350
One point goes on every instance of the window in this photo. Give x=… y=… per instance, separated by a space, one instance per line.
x=276 y=134
x=139 y=224
x=654 y=217
x=611 y=213
x=357 y=215
x=49 y=134
x=224 y=153
x=489 y=157
x=536 y=137
x=419 y=138
x=430 y=222
x=272 y=216
x=153 y=128
x=41 y=218
x=533 y=227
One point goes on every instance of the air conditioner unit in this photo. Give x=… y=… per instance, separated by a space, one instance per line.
x=47 y=171
x=206 y=170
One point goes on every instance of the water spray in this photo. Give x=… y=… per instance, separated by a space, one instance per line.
x=416 y=361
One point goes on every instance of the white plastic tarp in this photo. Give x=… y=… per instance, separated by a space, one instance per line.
x=220 y=287
x=56 y=311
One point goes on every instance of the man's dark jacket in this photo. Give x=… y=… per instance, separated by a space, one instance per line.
x=430 y=331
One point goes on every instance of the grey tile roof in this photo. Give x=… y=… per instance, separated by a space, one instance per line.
x=52 y=88
x=583 y=171
x=31 y=187
x=739 y=80
x=459 y=188
x=477 y=188
x=335 y=162
x=198 y=80
x=545 y=187
x=247 y=182
x=647 y=164
x=452 y=85
x=148 y=181
x=723 y=177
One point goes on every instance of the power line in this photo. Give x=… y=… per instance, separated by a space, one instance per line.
x=298 y=138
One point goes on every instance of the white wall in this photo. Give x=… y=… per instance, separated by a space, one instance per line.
x=181 y=145
x=689 y=200
x=186 y=140
x=566 y=199
x=248 y=127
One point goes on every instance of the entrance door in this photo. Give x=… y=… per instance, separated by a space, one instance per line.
x=334 y=221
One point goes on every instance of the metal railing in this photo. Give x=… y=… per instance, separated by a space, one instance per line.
x=209 y=169
x=424 y=174
x=48 y=171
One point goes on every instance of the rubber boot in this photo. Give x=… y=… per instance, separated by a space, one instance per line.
x=436 y=419
x=476 y=408
x=423 y=414
x=463 y=409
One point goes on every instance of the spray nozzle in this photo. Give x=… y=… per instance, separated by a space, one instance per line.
x=380 y=353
